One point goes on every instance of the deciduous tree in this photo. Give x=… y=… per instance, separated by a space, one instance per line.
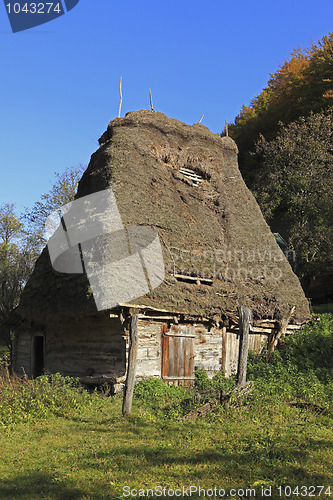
x=294 y=185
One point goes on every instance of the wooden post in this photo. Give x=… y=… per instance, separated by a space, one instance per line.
x=131 y=366
x=244 y=321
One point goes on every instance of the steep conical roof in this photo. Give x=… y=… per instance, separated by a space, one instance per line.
x=184 y=181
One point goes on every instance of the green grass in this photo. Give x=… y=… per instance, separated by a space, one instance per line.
x=62 y=443
x=95 y=455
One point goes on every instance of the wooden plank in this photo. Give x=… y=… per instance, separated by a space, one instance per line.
x=187 y=357
x=180 y=335
x=184 y=277
x=171 y=357
x=191 y=360
x=165 y=356
x=177 y=378
x=181 y=356
x=147 y=308
x=176 y=356
x=144 y=316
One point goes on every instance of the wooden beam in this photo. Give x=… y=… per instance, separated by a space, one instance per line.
x=245 y=319
x=131 y=364
x=191 y=279
x=147 y=308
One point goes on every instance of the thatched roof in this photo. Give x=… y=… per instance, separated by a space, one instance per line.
x=184 y=181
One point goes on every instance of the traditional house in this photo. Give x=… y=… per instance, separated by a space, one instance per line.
x=218 y=251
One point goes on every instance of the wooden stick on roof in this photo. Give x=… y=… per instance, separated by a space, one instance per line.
x=121 y=97
x=151 y=100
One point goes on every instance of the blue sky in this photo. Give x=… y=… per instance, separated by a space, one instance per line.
x=60 y=81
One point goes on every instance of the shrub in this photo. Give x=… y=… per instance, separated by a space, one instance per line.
x=302 y=367
x=213 y=386
x=162 y=399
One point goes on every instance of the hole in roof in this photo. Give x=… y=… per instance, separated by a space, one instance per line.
x=191 y=175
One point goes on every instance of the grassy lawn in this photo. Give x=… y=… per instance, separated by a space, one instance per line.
x=94 y=455
x=58 y=442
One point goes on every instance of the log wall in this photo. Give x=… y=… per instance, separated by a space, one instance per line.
x=231 y=349
x=98 y=345
x=22 y=355
x=208 y=349
x=95 y=346
x=149 y=349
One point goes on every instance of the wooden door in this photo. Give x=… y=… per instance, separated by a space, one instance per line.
x=178 y=354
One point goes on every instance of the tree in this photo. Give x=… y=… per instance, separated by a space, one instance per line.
x=63 y=191
x=17 y=257
x=294 y=187
x=301 y=85
x=20 y=244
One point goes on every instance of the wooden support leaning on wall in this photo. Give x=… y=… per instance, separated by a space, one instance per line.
x=245 y=320
x=283 y=325
x=131 y=366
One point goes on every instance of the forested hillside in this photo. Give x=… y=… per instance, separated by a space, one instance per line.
x=285 y=139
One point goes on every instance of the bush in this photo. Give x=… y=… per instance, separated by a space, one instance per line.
x=162 y=399
x=213 y=386
x=301 y=369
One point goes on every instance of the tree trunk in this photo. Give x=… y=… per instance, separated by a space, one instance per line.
x=244 y=321
x=131 y=367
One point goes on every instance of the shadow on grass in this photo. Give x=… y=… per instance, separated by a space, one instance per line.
x=38 y=485
x=280 y=462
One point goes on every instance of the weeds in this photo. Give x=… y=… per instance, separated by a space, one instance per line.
x=26 y=400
